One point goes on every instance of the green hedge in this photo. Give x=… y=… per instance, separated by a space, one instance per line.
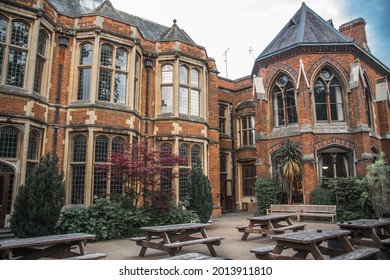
x=112 y=219
x=267 y=192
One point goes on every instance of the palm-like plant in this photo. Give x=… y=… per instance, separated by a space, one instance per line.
x=288 y=160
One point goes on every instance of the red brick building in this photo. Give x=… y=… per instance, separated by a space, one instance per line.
x=78 y=78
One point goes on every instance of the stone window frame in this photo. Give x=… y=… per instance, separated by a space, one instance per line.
x=247 y=130
x=114 y=69
x=107 y=184
x=7 y=47
x=78 y=162
x=41 y=62
x=193 y=92
x=33 y=150
x=329 y=83
x=250 y=191
x=283 y=93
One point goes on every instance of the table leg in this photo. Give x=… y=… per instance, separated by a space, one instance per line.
x=210 y=246
x=81 y=247
x=143 y=249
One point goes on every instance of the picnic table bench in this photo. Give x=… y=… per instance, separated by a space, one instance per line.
x=310 y=242
x=171 y=238
x=276 y=224
x=303 y=210
x=51 y=246
x=369 y=233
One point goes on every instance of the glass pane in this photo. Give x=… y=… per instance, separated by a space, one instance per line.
x=166 y=100
x=42 y=43
x=167 y=74
x=19 y=35
x=195 y=153
x=99 y=183
x=104 y=93
x=194 y=78
x=79 y=148
x=183 y=181
x=321 y=112
x=121 y=59
x=84 y=84
x=33 y=140
x=101 y=149
x=183 y=75
x=183 y=101
x=342 y=165
x=86 y=54
x=120 y=88
x=283 y=79
x=3 y=29
x=195 y=103
x=16 y=67
x=325 y=74
x=117 y=144
x=183 y=152
x=78 y=178
x=319 y=92
x=327 y=166
x=38 y=74
x=8 y=142
x=106 y=56
x=1 y=62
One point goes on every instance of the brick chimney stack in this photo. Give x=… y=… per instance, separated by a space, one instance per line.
x=356 y=30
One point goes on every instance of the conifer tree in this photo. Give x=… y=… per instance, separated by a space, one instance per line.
x=200 y=198
x=39 y=202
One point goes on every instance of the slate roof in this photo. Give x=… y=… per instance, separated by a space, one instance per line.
x=150 y=30
x=305 y=27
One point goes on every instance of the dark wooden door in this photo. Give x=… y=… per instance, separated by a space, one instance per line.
x=4 y=180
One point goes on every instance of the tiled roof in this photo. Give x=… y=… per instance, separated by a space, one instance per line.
x=305 y=27
x=149 y=30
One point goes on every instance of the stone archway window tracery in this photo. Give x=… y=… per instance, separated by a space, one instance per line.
x=284 y=104
x=328 y=97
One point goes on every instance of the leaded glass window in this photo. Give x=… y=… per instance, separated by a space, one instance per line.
x=167 y=89
x=328 y=97
x=85 y=64
x=8 y=142
x=189 y=94
x=78 y=166
x=40 y=62
x=284 y=105
x=113 y=74
x=17 y=56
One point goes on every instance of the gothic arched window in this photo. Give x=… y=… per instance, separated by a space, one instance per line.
x=328 y=97
x=284 y=105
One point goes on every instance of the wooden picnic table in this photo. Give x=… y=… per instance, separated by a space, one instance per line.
x=171 y=238
x=275 y=224
x=51 y=246
x=310 y=242
x=370 y=233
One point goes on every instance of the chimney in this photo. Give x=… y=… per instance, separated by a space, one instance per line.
x=356 y=30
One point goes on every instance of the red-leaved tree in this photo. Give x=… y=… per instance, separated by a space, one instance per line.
x=140 y=170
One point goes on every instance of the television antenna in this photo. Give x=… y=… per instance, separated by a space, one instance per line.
x=226 y=62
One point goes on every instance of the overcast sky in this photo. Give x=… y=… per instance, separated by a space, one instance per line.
x=238 y=31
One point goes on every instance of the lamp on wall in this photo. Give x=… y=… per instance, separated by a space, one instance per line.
x=63 y=41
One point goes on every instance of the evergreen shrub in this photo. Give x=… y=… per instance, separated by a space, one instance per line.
x=38 y=205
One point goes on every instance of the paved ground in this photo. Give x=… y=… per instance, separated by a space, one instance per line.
x=231 y=247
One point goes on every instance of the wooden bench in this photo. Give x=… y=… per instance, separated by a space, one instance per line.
x=303 y=210
x=359 y=254
x=386 y=241
x=310 y=210
x=262 y=250
x=94 y=256
x=284 y=209
x=215 y=240
x=291 y=227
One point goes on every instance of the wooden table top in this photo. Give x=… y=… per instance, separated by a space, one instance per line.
x=269 y=218
x=310 y=236
x=364 y=223
x=44 y=240
x=175 y=227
